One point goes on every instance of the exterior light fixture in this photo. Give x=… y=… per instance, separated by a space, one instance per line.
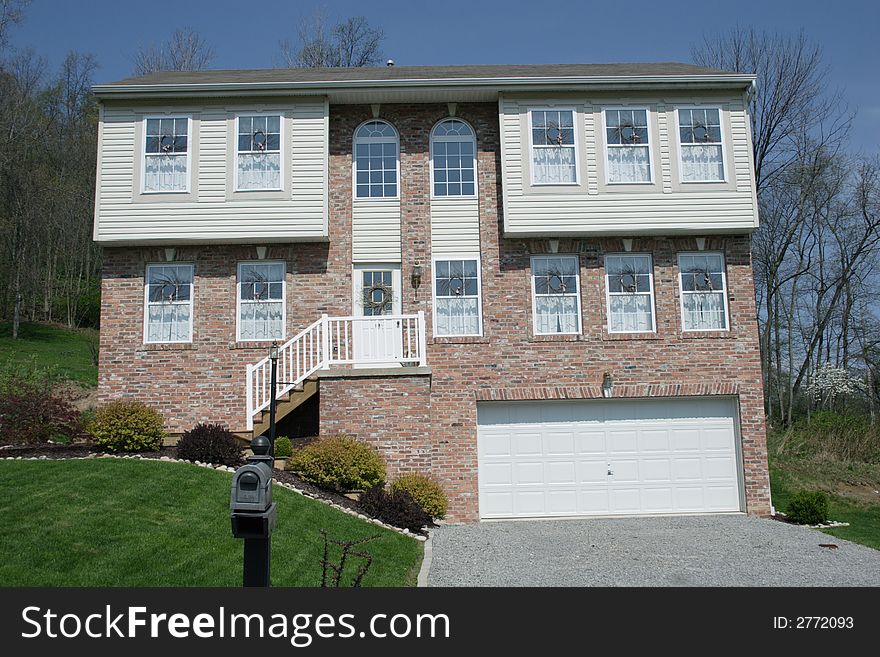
x=607 y=384
x=273 y=351
x=416 y=276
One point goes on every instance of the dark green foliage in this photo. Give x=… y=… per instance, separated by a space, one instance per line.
x=395 y=507
x=283 y=447
x=210 y=443
x=808 y=508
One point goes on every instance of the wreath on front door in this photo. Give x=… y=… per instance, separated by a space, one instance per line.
x=378 y=301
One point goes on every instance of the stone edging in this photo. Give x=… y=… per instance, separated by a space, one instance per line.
x=226 y=468
x=427 y=557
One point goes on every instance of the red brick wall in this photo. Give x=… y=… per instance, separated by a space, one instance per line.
x=205 y=381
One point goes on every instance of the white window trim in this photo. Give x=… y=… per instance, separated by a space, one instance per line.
x=357 y=289
x=608 y=294
x=575 y=146
x=434 y=260
x=146 y=305
x=190 y=144
x=473 y=140
x=372 y=140
x=682 y=293
x=604 y=134
x=535 y=295
x=281 y=153
x=724 y=178
x=241 y=263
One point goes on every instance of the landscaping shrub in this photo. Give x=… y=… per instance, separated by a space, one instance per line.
x=395 y=507
x=425 y=491
x=210 y=443
x=127 y=426
x=31 y=414
x=341 y=463
x=808 y=508
x=283 y=447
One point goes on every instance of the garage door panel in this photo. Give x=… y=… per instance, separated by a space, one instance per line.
x=604 y=457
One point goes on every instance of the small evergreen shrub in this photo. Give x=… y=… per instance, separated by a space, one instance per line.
x=808 y=508
x=395 y=507
x=127 y=426
x=340 y=463
x=210 y=443
x=283 y=447
x=425 y=491
x=30 y=415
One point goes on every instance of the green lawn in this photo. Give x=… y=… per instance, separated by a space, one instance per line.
x=115 y=522
x=841 y=480
x=67 y=352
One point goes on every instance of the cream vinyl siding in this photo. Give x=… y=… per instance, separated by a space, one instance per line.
x=455 y=226
x=672 y=208
x=375 y=230
x=211 y=213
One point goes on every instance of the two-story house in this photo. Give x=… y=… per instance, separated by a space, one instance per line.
x=532 y=282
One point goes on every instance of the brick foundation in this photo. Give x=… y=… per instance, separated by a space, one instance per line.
x=429 y=422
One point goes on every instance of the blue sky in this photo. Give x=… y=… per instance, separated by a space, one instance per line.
x=245 y=34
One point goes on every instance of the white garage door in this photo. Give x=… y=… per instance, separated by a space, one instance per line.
x=608 y=457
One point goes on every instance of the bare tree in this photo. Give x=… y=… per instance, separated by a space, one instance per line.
x=350 y=43
x=11 y=12
x=186 y=50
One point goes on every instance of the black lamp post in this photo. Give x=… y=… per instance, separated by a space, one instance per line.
x=273 y=382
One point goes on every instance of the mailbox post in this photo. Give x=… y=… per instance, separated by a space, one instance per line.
x=253 y=512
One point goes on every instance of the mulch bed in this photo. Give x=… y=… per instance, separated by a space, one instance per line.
x=71 y=451
x=287 y=477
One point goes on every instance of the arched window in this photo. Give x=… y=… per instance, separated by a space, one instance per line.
x=376 y=149
x=453 y=158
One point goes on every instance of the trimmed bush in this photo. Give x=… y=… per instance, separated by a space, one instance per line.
x=340 y=463
x=808 y=508
x=395 y=507
x=30 y=415
x=210 y=443
x=127 y=426
x=283 y=447
x=425 y=491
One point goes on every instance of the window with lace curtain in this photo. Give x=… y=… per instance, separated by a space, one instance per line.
x=556 y=295
x=701 y=144
x=169 y=303
x=166 y=154
x=457 y=297
x=261 y=300
x=258 y=152
x=630 y=288
x=553 y=150
x=703 y=292
x=628 y=147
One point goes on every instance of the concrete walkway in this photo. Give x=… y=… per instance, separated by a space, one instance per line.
x=676 y=551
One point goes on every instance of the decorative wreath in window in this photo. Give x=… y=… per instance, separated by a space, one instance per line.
x=168 y=289
x=259 y=140
x=378 y=296
x=260 y=284
x=166 y=144
x=627 y=133
x=627 y=280
x=700 y=131
x=702 y=280
x=453 y=286
x=552 y=134
x=556 y=282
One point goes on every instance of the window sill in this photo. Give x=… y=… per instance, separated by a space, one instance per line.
x=563 y=337
x=630 y=336
x=460 y=339
x=167 y=346
x=255 y=344
x=706 y=335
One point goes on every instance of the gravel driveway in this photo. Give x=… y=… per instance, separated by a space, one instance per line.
x=676 y=551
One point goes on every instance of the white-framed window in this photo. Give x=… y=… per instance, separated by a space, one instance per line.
x=261 y=300
x=703 y=292
x=627 y=146
x=629 y=285
x=258 y=161
x=166 y=154
x=556 y=298
x=553 y=146
x=453 y=159
x=168 y=303
x=376 y=160
x=701 y=144
x=457 y=296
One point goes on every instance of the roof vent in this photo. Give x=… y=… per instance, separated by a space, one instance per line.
x=389 y=63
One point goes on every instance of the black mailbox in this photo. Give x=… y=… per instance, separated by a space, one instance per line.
x=253 y=512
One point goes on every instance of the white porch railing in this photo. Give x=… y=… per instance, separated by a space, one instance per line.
x=380 y=341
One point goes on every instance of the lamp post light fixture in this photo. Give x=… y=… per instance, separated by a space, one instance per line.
x=273 y=386
x=607 y=385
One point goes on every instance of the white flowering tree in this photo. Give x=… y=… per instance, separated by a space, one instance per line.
x=830 y=383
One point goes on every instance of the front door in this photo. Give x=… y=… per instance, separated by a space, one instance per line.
x=377 y=331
